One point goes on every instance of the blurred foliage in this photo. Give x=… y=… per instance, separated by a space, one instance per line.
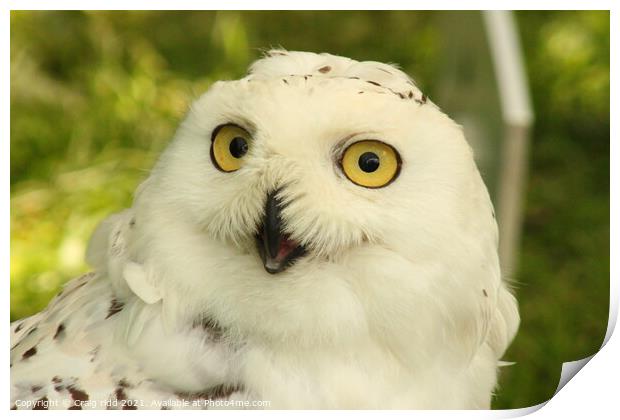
x=563 y=281
x=95 y=96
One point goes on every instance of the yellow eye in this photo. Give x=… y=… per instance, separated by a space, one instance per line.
x=370 y=163
x=229 y=144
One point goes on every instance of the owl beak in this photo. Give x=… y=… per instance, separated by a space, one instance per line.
x=277 y=250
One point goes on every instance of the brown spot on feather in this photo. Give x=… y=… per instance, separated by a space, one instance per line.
x=325 y=69
x=41 y=404
x=219 y=392
x=60 y=332
x=29 y=353
x=119 y=393
x=57 y=381
x=77 y=394
x=224 y=391
x=115 y=307
x=121 y=397
x=210 y=326
x=123 y=383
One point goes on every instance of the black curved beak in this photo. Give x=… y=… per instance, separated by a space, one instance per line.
x=277 y=250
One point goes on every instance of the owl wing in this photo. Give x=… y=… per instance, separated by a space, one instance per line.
x=79 y=352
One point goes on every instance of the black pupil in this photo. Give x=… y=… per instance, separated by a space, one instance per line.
x=368 y=162
x=238 y=147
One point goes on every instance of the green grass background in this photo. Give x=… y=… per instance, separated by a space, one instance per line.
x=95 y=96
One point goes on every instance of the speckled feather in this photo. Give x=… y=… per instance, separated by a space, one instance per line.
x=69 y=356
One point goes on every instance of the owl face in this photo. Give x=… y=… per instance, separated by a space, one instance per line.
x=308 y=167
x=315 y=199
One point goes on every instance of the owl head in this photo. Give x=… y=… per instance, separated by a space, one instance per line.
x=320 y=197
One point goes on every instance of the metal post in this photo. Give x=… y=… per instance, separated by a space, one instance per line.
x=517 y=116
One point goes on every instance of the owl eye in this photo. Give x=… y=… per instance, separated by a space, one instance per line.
x=370 y=163
x=229 y=144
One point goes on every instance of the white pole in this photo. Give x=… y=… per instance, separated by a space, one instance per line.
x=517 y=116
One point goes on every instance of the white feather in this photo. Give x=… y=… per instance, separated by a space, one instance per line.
x=138 y=282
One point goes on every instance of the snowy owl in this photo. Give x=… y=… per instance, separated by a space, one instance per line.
x=316 y=235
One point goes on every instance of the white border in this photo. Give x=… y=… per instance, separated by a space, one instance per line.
x=594 y=393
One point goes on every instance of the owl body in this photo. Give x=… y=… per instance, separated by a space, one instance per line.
x=316 y=235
